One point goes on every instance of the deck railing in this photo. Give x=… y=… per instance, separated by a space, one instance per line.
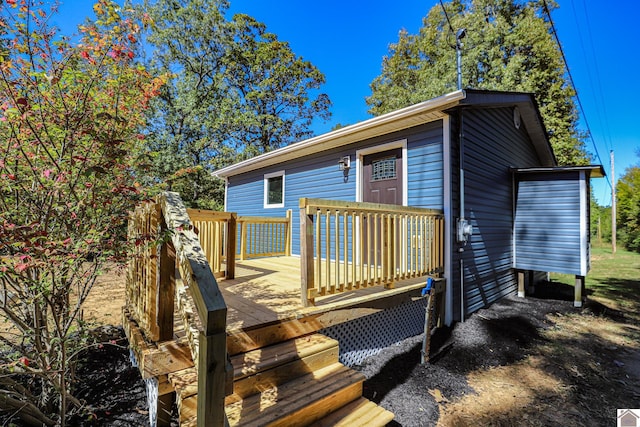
x=166 y=243
x=258 y=237
x=217 y=234
x=349 y=245
x=265 y=236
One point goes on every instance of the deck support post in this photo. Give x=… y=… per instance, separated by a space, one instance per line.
x=212 y=357
x=306 y=255
x=166 y=278
x=579 y=291
x=230 y=247
x=521 y=283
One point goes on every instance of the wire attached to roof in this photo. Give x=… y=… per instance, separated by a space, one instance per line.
x=575 y=89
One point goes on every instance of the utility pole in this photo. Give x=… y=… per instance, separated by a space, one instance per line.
x=599 y=230
x=613 y=206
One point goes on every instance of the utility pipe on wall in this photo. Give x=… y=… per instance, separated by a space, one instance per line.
x=461 y=219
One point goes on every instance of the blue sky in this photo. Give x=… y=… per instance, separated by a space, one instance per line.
x=346 y=40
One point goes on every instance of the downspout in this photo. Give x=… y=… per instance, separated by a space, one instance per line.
x=226 y=190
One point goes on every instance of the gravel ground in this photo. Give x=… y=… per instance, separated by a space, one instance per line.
x=498 y=335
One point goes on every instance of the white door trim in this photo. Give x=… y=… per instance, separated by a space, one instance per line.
x=401 y=143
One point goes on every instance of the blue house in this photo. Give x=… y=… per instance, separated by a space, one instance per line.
x=480 y=158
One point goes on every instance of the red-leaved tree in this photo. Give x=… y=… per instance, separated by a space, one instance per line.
x=70 y=120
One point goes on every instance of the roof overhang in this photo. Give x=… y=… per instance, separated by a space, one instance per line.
x=529 y=112
x=595 y=171
x=404 y=118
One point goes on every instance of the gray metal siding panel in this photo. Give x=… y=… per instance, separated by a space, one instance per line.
x=318 y=177
x=547 y=223
x=492 y=145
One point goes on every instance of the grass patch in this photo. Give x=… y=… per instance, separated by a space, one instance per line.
x=614 y=280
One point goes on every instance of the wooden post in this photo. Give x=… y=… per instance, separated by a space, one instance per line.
x=288 y=231
x=152 y=229
x=166 y=289
x=243 y=241
x=389 y=267
x=306 y=254
x=231 y=246
x=579 y=291
x=614 y=231
x=521 y=284
x=212 y=358
x=163 y=410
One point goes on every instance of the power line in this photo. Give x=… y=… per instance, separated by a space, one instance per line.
x=608 y=140
x=447 y=16
x=591 y=69
x=566 y=64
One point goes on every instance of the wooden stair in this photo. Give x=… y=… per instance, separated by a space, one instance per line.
x=298 y=382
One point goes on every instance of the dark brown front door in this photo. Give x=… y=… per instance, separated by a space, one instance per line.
x=382 y=176
x=382 y=183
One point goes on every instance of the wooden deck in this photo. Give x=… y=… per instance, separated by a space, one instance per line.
x=179 y=317
x=266 y=291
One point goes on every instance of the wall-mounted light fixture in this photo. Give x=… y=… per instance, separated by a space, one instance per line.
x=344 y=163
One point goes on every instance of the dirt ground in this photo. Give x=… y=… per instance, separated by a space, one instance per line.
x=536 y=361
x=533 y=361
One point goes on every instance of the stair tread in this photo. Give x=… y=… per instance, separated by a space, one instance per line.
x=359 y=413
x=268 y=406
x=255 y=361
x=185 y=382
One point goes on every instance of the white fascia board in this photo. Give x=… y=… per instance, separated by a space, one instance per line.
x=375 y=126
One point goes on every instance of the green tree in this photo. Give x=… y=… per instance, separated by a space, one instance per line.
x=508 y=46
x=628 y=204
x=69 y=135
x=600 y=222
x=237 y=91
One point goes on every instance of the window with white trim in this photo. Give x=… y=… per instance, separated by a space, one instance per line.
x=274 y=190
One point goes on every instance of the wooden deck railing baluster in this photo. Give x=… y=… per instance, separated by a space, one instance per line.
x=217 y=235
x=388 y=243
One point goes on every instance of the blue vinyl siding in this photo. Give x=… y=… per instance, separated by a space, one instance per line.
x=425 y=169
x=308 y=177
x=547 y=223
x=318 y=176
x=492 y=145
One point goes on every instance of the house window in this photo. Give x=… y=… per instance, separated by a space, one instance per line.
x=274 y=190
x=383 y=169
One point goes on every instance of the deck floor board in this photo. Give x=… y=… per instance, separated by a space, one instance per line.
x=267 y=290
